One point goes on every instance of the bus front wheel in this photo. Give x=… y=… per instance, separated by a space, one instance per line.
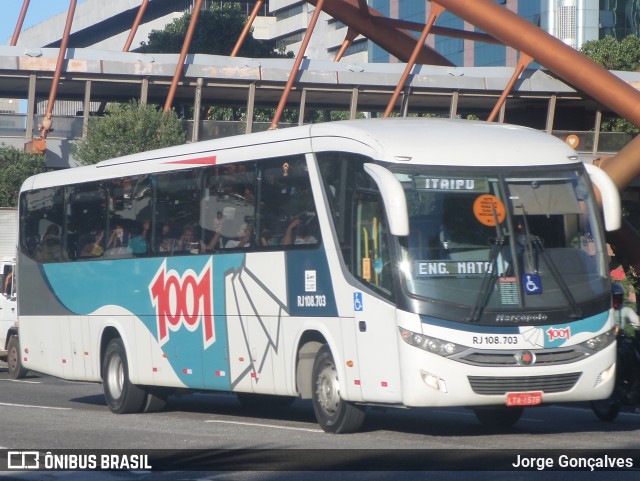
x=122 y=396
x=334 y=414
x=14 y=363
x=606 y=409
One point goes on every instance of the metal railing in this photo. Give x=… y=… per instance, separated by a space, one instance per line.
x=71 y=128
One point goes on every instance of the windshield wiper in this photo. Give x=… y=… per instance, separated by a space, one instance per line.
x=489 y=278
x=536 y=242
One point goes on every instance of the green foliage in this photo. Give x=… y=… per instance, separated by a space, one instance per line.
x=15 y=167
x=216 y=33
x=289 y=116
x=613 y=54
x=619 y=125
x=127 y=129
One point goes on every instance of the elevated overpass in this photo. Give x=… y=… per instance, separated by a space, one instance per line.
x=538 y=99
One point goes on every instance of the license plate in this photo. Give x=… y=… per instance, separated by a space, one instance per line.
x=524 y=398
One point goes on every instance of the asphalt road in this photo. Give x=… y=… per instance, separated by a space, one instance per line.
x=44 y=413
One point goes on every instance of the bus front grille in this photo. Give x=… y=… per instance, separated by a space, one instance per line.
x=547 y=357
x=502 y=385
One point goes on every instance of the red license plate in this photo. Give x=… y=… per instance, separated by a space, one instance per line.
x=524 y=398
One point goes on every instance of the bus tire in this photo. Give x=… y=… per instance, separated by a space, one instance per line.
x=606 y=409
x=498 y=417
x=14 y=362
x=122 y=397
x=334 y=414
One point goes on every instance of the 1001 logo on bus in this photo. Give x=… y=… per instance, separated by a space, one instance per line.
x=183 y=301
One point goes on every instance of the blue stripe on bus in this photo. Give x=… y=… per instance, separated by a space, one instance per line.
x=126 y=283
x=168 y=296
x=550 y=336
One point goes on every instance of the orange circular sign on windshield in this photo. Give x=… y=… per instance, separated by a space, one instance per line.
x=487 y=208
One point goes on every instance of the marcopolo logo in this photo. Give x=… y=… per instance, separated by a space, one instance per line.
x=183 y=301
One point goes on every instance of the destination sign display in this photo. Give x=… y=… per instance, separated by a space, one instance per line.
x=451 y=268
x=441 y=184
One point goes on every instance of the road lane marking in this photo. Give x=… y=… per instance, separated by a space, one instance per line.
x=266 y=426
x=22 y=380
x=32 y=406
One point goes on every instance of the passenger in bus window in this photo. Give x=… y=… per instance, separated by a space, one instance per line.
x=118 y=241
x=298 y=232
x=243 y=240
x=51 y=248
x=139 y=243
x=187 y=243
x=92 y=247
x=216 y=241
x=166 y=243
x=266 y=238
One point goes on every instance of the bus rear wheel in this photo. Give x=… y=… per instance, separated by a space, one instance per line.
x=122 y=397
x=334 y=414
x=14 y=363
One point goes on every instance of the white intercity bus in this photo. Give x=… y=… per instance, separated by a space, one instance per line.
x=389 y=262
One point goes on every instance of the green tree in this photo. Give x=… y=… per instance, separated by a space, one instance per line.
x=15 y=167
x=216 y=33
x=127 y=129
x=615 y=54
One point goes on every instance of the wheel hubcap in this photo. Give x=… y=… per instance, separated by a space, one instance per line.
x=328 y=389
x=13 y=359
x=115 y=377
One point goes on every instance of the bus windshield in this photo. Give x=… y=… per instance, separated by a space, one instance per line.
x=491 y=243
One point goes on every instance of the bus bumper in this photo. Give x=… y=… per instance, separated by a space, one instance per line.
x=432 y=380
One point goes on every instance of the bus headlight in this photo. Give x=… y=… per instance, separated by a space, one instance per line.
x=600 y=341
x=430 y=344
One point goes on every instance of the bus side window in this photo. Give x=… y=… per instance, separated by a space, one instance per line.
x=129 y=232
x=176 y=207
x=86 y=220
x=287 y=212
x=41 y=223
x=228 y=207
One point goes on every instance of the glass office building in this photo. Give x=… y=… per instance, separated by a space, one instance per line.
x=572 y=21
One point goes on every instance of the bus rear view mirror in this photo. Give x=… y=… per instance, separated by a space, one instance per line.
x=609 y=195
x=395 y=202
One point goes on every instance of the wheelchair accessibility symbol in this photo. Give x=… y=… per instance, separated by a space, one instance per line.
x=532 y=284
x=357 y=301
